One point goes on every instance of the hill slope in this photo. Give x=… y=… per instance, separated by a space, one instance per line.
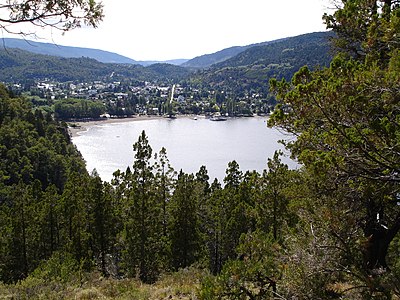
x=250 y=70
x=311 y=49
x=207 y=60
x=204 y=61
x=66 y=51
x=17 y=65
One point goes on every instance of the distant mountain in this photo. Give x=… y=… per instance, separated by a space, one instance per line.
x=207 y=60
x=236 y=69
x=250 y=70
x=310 y=49
x=65 y=51
x=77 y=52
x=176 y=62
x=17 y=65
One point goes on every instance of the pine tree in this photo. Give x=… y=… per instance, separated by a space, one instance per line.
x=184 y=225
x=232 y=212
x=143 y=222
x=346 y=122
x=273 y=210
x=103 y=221
x=165 y=181
x=75 y=218
x=214 y=227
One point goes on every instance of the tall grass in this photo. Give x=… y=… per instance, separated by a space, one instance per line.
x=179 y=285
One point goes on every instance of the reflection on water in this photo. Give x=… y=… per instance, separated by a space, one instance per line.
x=189 y=143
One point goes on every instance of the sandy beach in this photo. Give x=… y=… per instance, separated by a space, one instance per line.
x=74 y=128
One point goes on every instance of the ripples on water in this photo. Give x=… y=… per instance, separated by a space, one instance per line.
x=189 y=143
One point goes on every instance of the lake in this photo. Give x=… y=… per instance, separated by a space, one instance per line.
x=190 y=144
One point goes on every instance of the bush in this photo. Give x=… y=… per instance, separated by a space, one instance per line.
x=60 y=267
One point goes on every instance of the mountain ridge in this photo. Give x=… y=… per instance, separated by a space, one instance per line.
x=249 y=71
x=66 y=51
x=254 y=62
x=21 y=65
x=199 y=62
x=78 y=52
x=267 y=53
x=207 y=60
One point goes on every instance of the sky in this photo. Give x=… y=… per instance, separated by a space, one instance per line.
x=174 y=29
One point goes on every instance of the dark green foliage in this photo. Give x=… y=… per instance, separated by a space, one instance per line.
x=36 y=160
x=184 y=223
x=165 y=182
x=311 y=49
x=78 y=109
x=19 y=66
x=32 y=147
x=252 y=222
x=164 y=70
x=207 y=60
x=350 y=130
x=273 y=210
x=253 y=276
x=345 y=118
x=103 y=223
x=249 y=71
x=143 y=223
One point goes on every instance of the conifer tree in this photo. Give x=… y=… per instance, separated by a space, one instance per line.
x=184 y=223
x=346 y=122
x=50 y=221
x=214 y=227
x=75 y=218
x=165 y=181
x=143 y=224
x=273 y=209
x=232 y=212
x=103 y=227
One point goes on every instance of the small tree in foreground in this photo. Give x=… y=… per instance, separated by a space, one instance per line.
x=62 y=14
x=346 y=120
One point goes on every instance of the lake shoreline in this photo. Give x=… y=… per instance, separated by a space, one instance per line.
x=76 y=128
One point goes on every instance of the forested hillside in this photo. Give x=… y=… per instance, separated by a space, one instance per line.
x=249 y=71
x=308 y=49
x=65 y=51
x=207 y=60
x=38 y=162
x=18 y=66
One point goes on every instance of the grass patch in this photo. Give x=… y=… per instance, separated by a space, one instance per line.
x=180 y=285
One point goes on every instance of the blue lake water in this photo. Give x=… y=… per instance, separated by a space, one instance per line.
x=190 y=144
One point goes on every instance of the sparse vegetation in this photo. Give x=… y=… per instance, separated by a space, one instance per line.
x=183 y=285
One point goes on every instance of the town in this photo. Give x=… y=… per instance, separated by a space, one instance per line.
x=116 y=99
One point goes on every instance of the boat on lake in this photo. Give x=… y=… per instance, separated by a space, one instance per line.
x=218 y=117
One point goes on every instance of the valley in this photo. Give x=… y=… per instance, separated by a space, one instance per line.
x=238 y=85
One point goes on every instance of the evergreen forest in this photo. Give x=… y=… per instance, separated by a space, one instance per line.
x=328 y=230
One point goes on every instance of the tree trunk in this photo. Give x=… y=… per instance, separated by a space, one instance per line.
x=379 y=238
x=387 y=9
x=376 y=250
